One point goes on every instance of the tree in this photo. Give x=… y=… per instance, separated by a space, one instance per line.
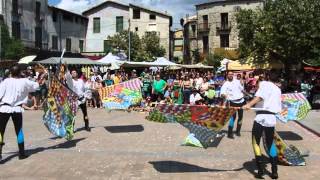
x=144 y=49
x=285 y=31
x=10 y=48
x=214 y=60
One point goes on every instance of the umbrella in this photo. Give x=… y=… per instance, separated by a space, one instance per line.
x=27 y=59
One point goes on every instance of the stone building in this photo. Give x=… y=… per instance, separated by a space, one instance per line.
x=27 y=21
x=66 y=30
x=216 y=27
x=178 y=45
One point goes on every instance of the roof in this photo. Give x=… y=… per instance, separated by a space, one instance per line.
x=104 y=3
x=74 y=61
x=63 y=10
x=151 y=10
x=225 y=1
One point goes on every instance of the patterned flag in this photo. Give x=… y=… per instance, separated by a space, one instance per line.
x=60 y=109
x=295 y=107
x=121 y=96
x=203 y=121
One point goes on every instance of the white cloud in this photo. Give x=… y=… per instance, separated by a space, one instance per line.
x=177 y=8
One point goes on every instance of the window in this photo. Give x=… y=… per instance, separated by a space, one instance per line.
x=38 y=35
x=54 y=16
x=152 y=17
x=14 y=7
x=119 y=23
x=106 y=46
x=224 y=40
x=38 y=7
x=54 y=42
x=16 y=30
x=205 y=44
x=67 y=17
x=76 y=20
x=137 y=29
x=68 y=44
x=96 y=25
x=224 y=20
x=193 y=28
x=136 y=14
x=81 y=43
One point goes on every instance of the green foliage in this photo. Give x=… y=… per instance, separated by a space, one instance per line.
x=214 y=60
x=142 y=49
x=11 y=48
x=285 y=30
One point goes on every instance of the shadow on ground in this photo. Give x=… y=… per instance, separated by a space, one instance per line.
x=289 y=135
x=181 y=167
x=64 y=145
x=124 y=129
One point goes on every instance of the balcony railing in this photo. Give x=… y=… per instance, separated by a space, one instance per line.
x=204 y=27
x=223 y=26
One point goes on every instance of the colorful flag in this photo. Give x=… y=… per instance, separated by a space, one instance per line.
x=60 y=108
x=204 y=122
x=295 y=107
x=121 y=96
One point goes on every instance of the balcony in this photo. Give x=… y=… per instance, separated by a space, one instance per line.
x=223 y=26
x=204 y=27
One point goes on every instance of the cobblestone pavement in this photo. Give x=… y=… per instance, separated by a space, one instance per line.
x=142 y=150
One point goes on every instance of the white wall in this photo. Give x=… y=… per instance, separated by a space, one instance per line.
x=144 y=24
x=74 y=30
x=108 y=13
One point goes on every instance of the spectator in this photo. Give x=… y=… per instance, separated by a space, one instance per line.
x=158 y=87
x=31 y=103
x=195 y=98
x=186 y=87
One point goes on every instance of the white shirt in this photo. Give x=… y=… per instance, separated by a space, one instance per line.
x=78 y=87
x=271 y=101
x=93 y=78
x=232 y=90
x=199 y=82
x=13 y=92
x=194 y=98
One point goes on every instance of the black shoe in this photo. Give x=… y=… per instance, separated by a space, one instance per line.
x=230 y=133
x=260 y=167
x=238 y=130
x=88 y=129
x=259 y=175
x=274 y=175
x=23 y=156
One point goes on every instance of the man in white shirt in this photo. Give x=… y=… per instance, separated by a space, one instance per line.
x=267 y=97
x=195 y=97
x=95 y=76
x=13 y=93
x=79 y=89
x=232 y=92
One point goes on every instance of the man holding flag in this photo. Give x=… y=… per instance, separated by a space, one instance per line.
x=267 y=97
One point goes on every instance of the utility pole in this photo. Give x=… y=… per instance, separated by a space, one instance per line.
x=129 y=51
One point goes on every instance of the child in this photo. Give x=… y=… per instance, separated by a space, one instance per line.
x=210 y=94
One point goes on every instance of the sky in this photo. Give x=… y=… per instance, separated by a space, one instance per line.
x=176 y=8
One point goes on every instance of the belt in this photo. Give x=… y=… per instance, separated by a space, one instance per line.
x=6 y=104
x=265 y=112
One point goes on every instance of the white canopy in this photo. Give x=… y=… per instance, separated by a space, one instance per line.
x=114 y=60
x=71 y=61
x=27 y=59
x=197 y=66
x=162 y=61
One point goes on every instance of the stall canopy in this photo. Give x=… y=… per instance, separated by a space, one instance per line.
x=115 y=61
x=162 y=61
x=159 y=62
x=227 y=64
x=71 y=61
x=27 y=59
x=197 y=66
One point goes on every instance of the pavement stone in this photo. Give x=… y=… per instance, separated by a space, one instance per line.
x=151 y=151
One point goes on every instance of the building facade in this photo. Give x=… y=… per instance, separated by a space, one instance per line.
x=110 y=17
x=144 y=20
x=105 y=19
x=217 y=26
x=66 y=30
x=26 y=20
x=178 y=45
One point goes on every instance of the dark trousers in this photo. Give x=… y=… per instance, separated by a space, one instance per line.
x=257 y=131
x=17 y=122
x=186 y=96
x=240 y=115
x=83 y=108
